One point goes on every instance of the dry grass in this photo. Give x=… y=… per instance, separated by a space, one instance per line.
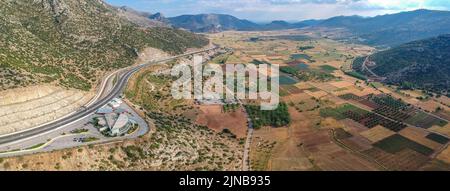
x=419 y=136
x=213 y=117
x=377 y=133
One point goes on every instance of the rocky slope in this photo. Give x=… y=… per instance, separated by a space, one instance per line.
x=421 y=64
x=393 y=29
x=71 y=43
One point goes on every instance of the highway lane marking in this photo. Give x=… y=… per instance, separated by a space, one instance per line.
x=115 y=91
x=44 y=145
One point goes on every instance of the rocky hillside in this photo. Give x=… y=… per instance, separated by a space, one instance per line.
x=142 y=19
x=393 y=29
x=421 y=64
x=220 y=22
x=72 y=42
x=211 y=23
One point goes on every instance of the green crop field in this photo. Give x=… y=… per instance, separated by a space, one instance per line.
x=424 y=120
x=396 y=143
x=338 y=113
x=286 y=80
x=300 y=56
x=438 y=138
x=356 y=75
x=328 y=68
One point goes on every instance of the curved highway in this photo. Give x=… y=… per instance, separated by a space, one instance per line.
x=123 y=77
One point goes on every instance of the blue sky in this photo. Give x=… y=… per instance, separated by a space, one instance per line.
x=291 y=10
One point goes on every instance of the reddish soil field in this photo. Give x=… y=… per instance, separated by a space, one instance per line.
x=213 y=117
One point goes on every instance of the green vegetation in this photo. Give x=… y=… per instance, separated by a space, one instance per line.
x=303 y=48
x=396 y=143
x=294 y=37
x=340 y=133
x=230 y=107
x=79 y=131
x=304 y=75
x=356 y=75
x=152 y=96
x=357 y=69
x=338 y=113
x=35 y=146
x=393 y=29
x=358 y=63
x=389 y=101
x=259 y=62
x=89 y=139
x=229 y=133
x=306 y=105
x=221 y=59
x=300 y=56
x=289 y=70
x=424 y=120
x=421 y=64
x=133 y=152
x=328 y=68
x=437 y=138
x=286 y=80
x=72 y=43
x=302 y=66
x=277 y=118
x=133 y=129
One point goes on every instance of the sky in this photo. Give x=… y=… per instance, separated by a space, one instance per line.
x=289 y=10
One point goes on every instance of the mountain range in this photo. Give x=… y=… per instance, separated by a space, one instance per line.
x=393 y=29
x=384 y=30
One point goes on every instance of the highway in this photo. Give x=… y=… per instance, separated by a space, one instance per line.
x=100 y=100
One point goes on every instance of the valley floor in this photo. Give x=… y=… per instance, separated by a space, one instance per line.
x=337 y=121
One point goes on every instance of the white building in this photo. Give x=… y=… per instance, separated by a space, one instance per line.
x=115 y=124
x=121 y=126
x=115 y=103
x=114 y=120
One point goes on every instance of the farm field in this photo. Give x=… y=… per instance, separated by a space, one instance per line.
x=335 y=115
x=214 y=117
x=176 y=141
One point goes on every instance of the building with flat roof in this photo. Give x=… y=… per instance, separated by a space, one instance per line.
x=105 y=109
x=113 y=120
x=115 y=103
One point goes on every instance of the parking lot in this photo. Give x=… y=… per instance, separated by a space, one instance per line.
x=74 y=135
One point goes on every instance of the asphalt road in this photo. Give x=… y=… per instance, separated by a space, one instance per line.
x=123 y=77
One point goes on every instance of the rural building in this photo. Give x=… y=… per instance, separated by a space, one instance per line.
x=114 y=121
x=121 y=126
x=115 y=103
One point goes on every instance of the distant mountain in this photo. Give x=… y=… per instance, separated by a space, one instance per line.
x=220 y=22
x=384 y=31
x=139 y=18
x=279 y=25
x=422 y=64
x=158 y=17
x=311 y=22
x=209 y=22
x=393 y=29
x=72 y=42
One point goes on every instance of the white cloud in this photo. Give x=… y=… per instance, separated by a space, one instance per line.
x=265 y=10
